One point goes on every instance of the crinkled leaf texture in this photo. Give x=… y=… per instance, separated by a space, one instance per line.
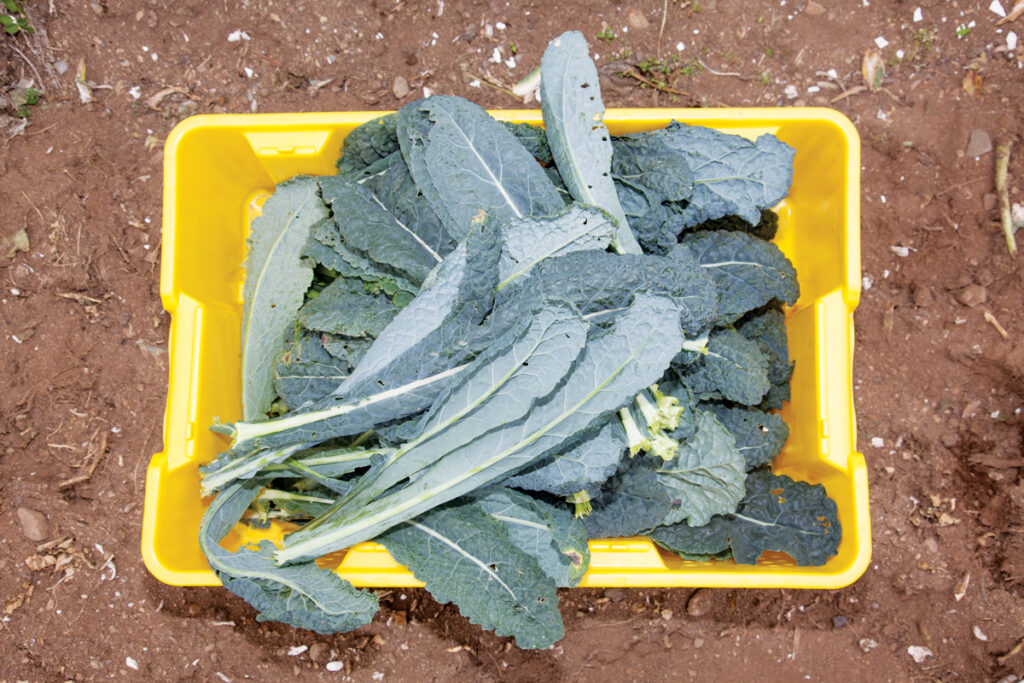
x=306 y=372
x=346 y=307
x=533 y=138
x=476 y=168
x=759 y=435
x=303 y=596
x=579 y=140
x=276 y=279
x=733 y=368
x=706 y=477
x=790 y=516
x=556 y=539
x=612 y=280
x=731 y=175
x=391 y=183
x=768 y=329
x=748 y=272
x=631 y=503
x=529 y=241
x=368 y=143
x=584 y=466
x=369 y=229
x=612 y=368
x=465 y=556
x=327 y=247
x=695 y=542
x=777 y=513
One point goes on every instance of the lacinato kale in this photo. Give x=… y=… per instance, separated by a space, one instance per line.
x=484 y=343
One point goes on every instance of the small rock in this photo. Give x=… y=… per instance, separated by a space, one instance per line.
x=979 y=634
x=978 y=144
x=296 y=650
x=33 y=524
x=972 y=295
x=949 y=439
x=666 y=614
x=839 y=621
x=698 y=643
x=931 y=545
x=814 y=9
x=920 y=654
x=790 y=92
x=193 y=610
x=867 y=644
x=97 y=8
x=923 y=296
x=400 y=88
x=699 y=603
x=335 y=666
x=637 y=19
x=319 y=651
x=615 y=594
x=989 y=201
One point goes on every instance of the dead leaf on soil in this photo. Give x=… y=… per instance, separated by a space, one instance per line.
x=872 y=68
x=15 y=243
x=973 y=84
x=18 y=600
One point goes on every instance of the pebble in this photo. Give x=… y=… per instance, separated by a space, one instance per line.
x=335 y=666
x=972 y=295
x=318 y=651
x=978 y=144
x=666 y=614
x=33 y=524
x=868 y=644
x=979 y=634
x=919 y=653
x=615 y=594
x=400 y=88
x=931 y=545
x=637 y=19
x=699 y=603
x=877 y=442
x=839 y=621
x=295 y=650
x=814 y=9
x=97 y=8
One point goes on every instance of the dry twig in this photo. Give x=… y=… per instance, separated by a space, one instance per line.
x=995 y=323
x=1018 y=9
x=1015 y=650
x=94 y=461
x=1002 y=189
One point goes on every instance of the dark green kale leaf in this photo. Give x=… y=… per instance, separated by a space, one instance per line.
x=759 y=435
x=765 y=228
x=549 y=533
x=732 y=369
x=348 y=307
x=369 y=229
x=584 y=466
x=466 y=557
x=368 y=143
x=302 y=595
x=307 y=372
x=533 y=138
x=748 y=272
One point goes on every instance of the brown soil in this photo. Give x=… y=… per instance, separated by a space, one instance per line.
x=83 y=344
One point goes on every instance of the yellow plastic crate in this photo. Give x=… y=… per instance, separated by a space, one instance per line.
x=219 y=169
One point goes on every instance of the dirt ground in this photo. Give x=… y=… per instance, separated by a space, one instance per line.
x=83 y=337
